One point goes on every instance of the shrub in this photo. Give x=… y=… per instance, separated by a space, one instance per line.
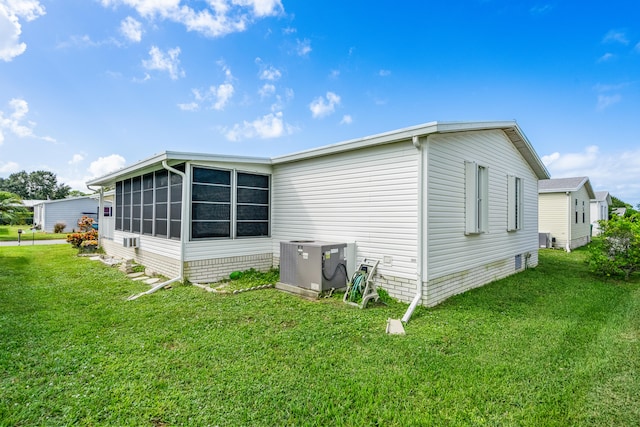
x=59 y=227
x=616 y=252
x=87 y=238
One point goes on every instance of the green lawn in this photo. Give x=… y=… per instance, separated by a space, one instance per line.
x=552 y=346
x=10 y=233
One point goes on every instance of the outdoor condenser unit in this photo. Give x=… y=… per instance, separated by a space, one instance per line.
x=318 y=266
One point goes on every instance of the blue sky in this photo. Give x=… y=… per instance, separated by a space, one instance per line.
x=88 y=86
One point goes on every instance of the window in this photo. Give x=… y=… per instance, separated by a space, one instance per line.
x=576 y=210
x=476 y=198
x=514 y=203
x=252 y=216
x=147 y=204
x=583 y=213
x=229 y=204
x=210 y=203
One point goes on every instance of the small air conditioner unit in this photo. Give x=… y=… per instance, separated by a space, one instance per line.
x=130 y=242
x=544 y=240
x=317 y=266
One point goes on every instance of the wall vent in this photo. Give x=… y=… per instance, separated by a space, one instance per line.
x=130 y=242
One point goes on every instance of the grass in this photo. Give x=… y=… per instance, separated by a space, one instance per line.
x=9 y=233
x=552 y=346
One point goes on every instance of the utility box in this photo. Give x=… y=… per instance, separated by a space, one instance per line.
x=313 y=265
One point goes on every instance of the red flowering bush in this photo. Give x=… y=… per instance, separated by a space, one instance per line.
x=88 y=236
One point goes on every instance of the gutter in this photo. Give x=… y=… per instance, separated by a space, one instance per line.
x=420 y=255
x=568 y=244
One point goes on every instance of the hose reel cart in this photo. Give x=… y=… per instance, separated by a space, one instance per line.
x=362 y=285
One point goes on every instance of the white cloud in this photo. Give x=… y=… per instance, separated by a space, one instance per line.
x=269 y=126
x=11 y=11
x=303 y=47
x=162 y=61
x=9 y=167
x=615 y=172
x=131 y=29
x=334 y=74
x=606 y=57
x=105 y=165
x=219 y=96
x=615 y=36
x=77 y=158
x=270 y=73
x=191 y=106
x=267 y=90
x=16 y=122
x=346 y=120
x=222 y=94
x=321 y=107
x=215 y=19
x=606 y=101
x=384 y=73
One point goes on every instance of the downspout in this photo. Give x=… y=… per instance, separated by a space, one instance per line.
x=568 y=243
x=182 y=236
x=100 y=215
x=420 y=255
x=184 y=214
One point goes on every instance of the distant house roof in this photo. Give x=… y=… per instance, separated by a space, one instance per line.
x=32 y=203
x=42 y=202
x=602 y=196
x=563 y=185
x=619 y=211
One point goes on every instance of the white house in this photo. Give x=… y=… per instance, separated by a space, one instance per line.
x=444 y=207
x=599 y=210
x=48 y=213
x=564 y=211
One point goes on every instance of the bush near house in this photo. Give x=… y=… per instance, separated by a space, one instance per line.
x=87 y=239
x=616 y=252
x=59 y=227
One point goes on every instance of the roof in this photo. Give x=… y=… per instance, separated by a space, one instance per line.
x=602 y=196
x=173 y=157
x=563 y=185
x=69 y=199
x=510 y=128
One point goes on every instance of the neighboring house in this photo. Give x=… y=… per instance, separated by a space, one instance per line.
x=619 y=211
x=444 y=207
x=599 y=210
x=48 y=213
x=563 y=211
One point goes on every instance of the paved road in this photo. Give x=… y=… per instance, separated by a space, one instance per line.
x=28 y=242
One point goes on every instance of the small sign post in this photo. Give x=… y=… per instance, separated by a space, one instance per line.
x=19 y=235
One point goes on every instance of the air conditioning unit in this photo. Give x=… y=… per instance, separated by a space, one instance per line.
x=317 y=266
x=544 y=240
x=130 y=242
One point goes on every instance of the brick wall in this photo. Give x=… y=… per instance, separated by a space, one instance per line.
x=213 y=270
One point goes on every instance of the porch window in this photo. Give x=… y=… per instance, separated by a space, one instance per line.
x=146 y=204
x=229 y=204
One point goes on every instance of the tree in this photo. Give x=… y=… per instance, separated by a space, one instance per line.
x=11 y=208
x=616 y=252
x=37 y=185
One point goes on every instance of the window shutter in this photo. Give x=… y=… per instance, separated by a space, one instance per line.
x=471 y=197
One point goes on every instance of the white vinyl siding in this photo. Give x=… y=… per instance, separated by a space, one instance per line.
x=66 y=211
x=367 y=196
x=555 y=213
x=514 y=203
x=449 y=249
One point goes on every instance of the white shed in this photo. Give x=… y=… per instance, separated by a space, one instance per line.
x=444 y=207
x=48 y=213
